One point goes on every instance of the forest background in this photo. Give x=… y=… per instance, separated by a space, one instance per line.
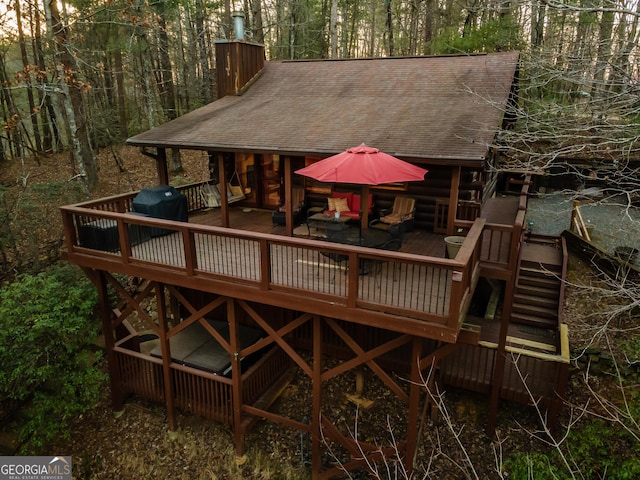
x=83 y=75
x=79 y=77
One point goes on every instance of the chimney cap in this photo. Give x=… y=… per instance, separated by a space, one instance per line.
x=238 y=22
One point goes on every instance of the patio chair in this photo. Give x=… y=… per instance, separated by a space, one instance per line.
x=338 y=261
x=399 y=219
x=298 y=200
x=375 y=266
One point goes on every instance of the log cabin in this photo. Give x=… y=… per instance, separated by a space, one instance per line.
x=211 y=306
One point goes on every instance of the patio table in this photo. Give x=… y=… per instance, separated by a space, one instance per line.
x=366 y=238
x=327 y=223
x=370 y=238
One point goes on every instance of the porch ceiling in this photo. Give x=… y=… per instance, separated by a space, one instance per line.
x=419 y=108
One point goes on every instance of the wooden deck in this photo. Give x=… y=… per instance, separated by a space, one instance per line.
x=317 y=266
x=413 y=293
x=253 y=259
x=417 y=242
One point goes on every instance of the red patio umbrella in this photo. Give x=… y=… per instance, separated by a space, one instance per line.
x=365 y=166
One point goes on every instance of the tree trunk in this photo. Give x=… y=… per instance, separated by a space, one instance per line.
x=390 y=43
x=165 y=81
x=10 y=115
x=413 y=29
x=333 y=28
x=120 y=93
x=429 y=26
x=33 y=117
x=372 y=33
x=257 y=27
x=293 y=30
x=146 y=73
x=207 y=85
x=51 y=136
x=627 y=41
x=71 y=92
x=538 y=13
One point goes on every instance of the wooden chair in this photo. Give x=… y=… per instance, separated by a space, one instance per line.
x=399 y=219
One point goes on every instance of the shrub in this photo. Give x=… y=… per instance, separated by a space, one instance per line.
x=47 y=328
x=530 y=466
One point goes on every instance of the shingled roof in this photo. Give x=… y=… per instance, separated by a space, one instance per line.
x=420 y=108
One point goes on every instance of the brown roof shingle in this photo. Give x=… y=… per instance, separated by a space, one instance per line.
x=414 y=108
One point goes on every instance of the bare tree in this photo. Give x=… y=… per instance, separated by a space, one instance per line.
x=71 y=89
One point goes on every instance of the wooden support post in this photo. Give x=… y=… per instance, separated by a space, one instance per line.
x=166 y=355
x=109 y=340
x=161 y=167
x=500 y=360
x=414 y=405
x=236 y=380
x=224 y=197
x=453 y=200
x=288 y=196
x=316 y=399
x=174 y=307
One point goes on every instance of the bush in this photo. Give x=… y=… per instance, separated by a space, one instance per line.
x=47 y=329
x=31 y=232
x=598 y=449
x=530 y=466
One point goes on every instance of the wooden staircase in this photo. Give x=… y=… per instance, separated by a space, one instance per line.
x=538 y=285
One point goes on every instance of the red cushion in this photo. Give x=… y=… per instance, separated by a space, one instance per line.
x=352 y=215
x=355 y=206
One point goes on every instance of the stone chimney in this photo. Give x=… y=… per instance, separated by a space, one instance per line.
x=238 y=62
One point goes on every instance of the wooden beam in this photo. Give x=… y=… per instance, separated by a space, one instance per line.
x=362 y=356
x=316 y=400
x=277 y=338
x=161 y=167
x=414 y=405
x=166 y=355
x=288 y=196
x=453 y=199
x=236 y=379
x=107 y=330
x=500 y=360
x=224 y=197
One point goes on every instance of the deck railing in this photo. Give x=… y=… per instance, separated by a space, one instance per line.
x=197 y=391
x=419 y=287
x=501 y=243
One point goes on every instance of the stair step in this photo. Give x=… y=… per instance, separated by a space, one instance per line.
x=542 y=282
x=537 y=271
x=548 y=254
x=541 y=269
x=533 y=320
x=536 y=300
x=544 y=291
x=544 y=312
x=543 y=241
